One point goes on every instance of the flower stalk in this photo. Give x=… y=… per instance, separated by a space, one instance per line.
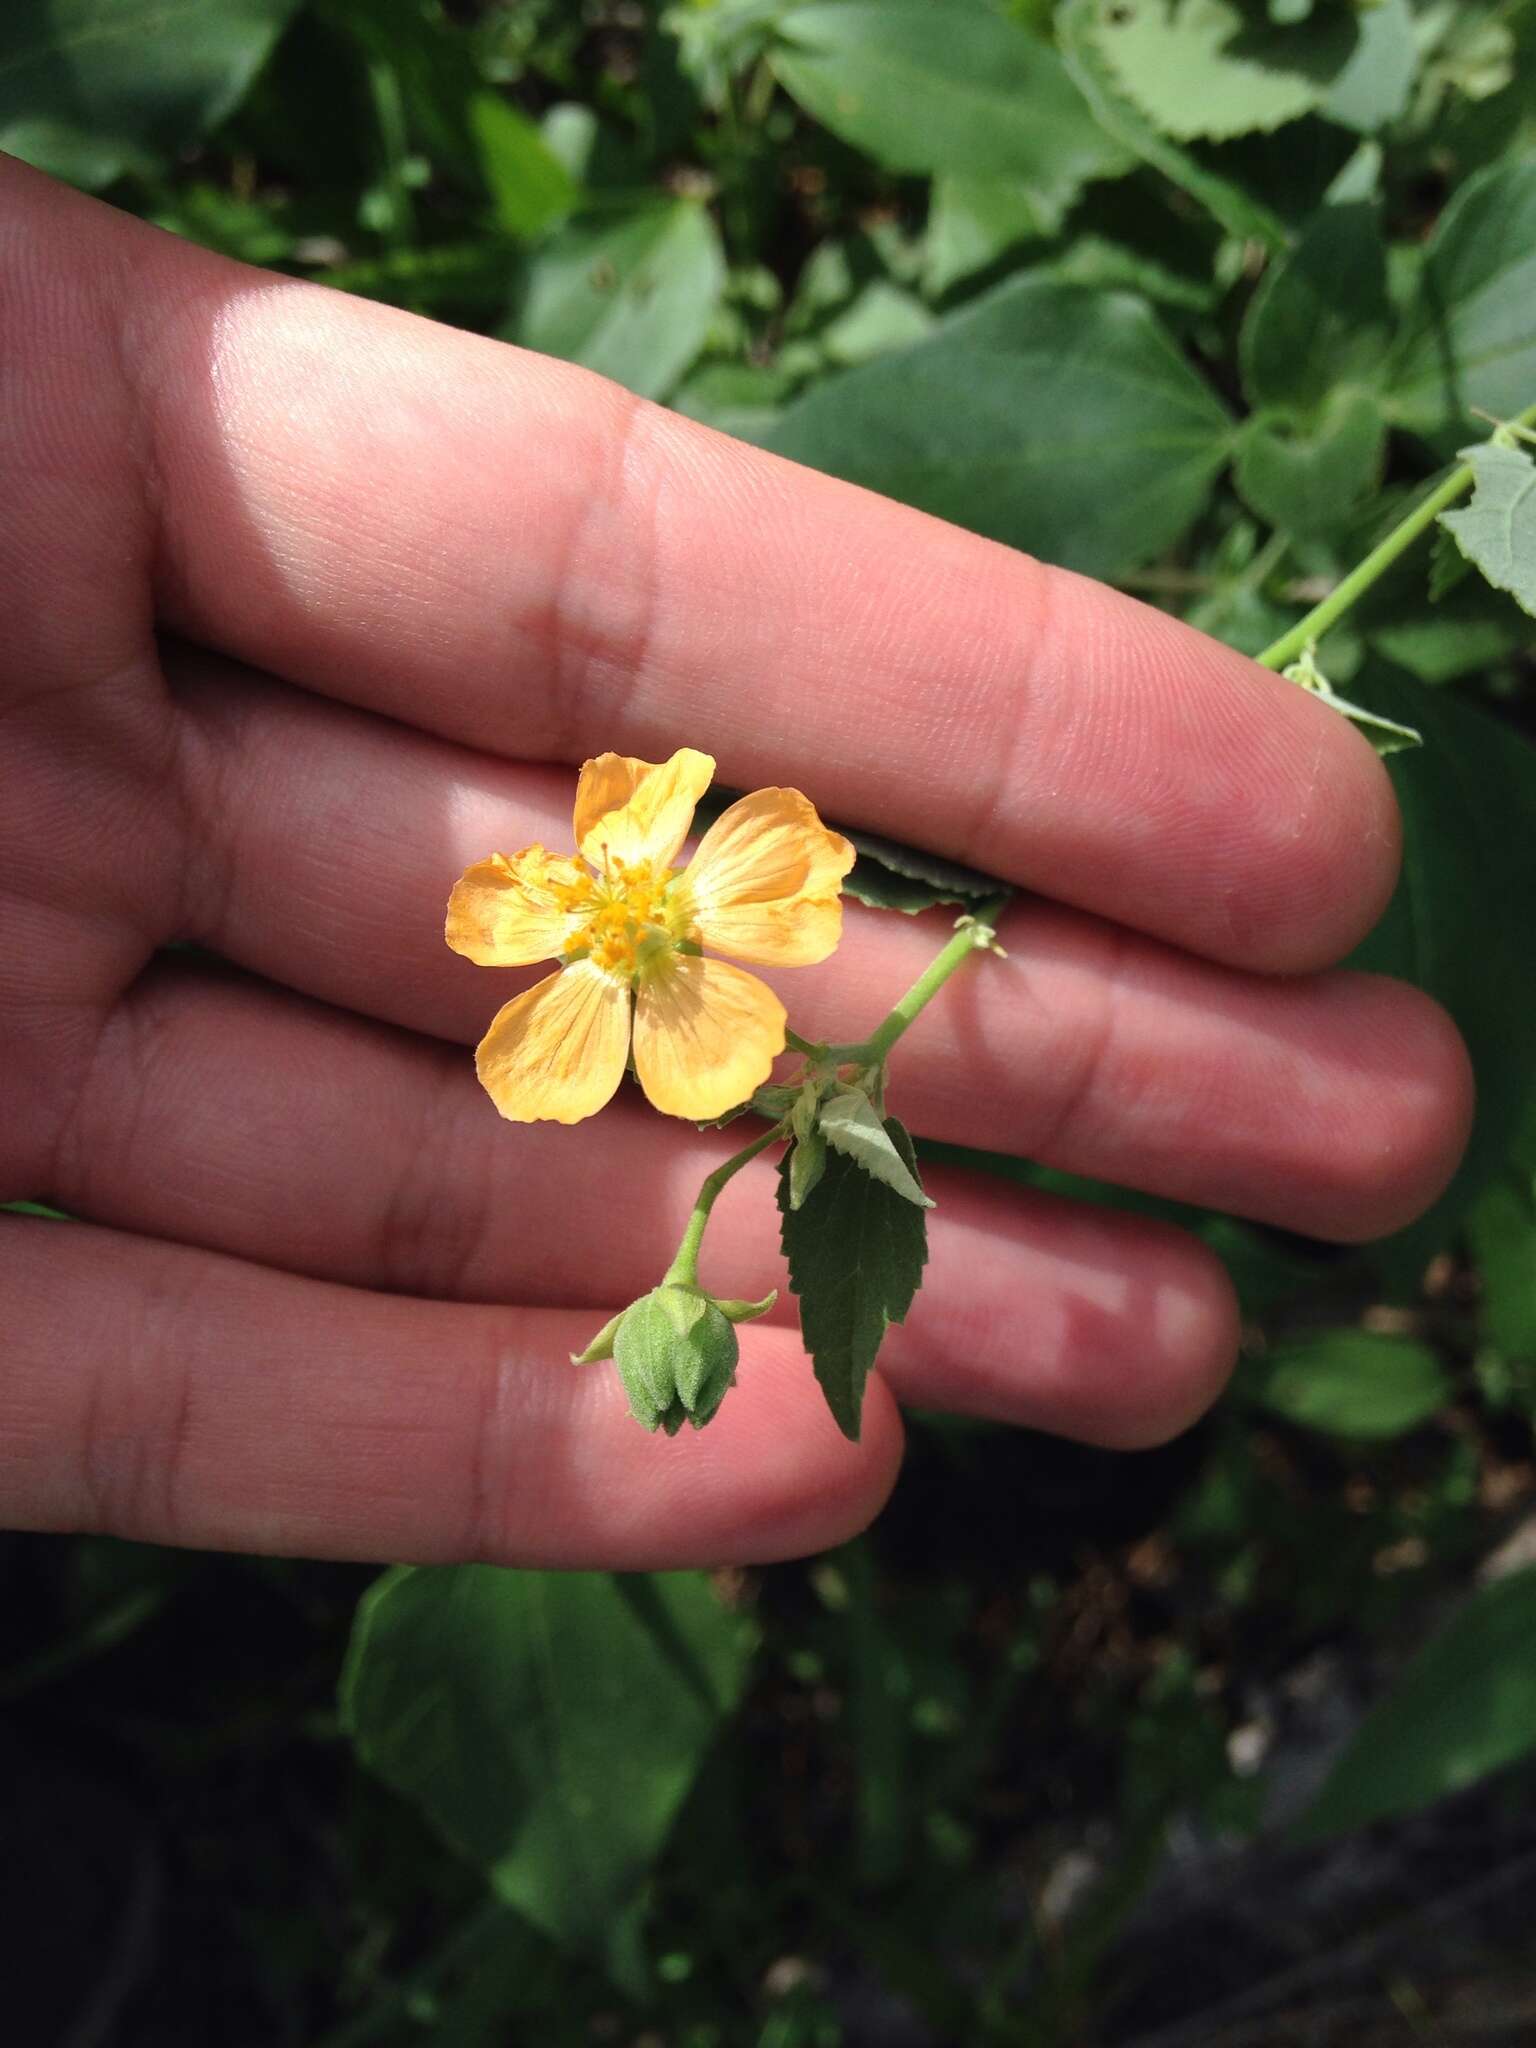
x=684 y=1269
x=976 y=932
x=973 y=933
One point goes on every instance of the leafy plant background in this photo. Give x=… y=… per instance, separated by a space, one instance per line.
x=1209 y=1745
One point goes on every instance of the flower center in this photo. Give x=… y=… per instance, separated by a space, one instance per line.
x=638 y=916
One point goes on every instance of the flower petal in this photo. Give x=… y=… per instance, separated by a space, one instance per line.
x=764 y=882
x=557 y=1051
x=635 y=811
x=706 y=1035
x=509 y=911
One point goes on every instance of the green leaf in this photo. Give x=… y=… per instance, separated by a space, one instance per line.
x=530 y=186
x=1469 y=340
x=570 y=132
x=1205 y=68
x=831 y=274
x=629 y=294
x=435 y=74
x=994 y=100
x=89 y=88
x=973 y=221
x=917 y=865
x=462 y=273
x=1468 y=629
x=247 y=229
x=1459 y=923
x=890 y=876
x=1466 y=1706
x=1475 y=55
x=1448 y=568
x=877 y=886
x=1497 y=530
x=744 y=399
x=1354 y=1383
x=856 y=1252
x=807 y=1105
x=719 y=40
x=1118 y=115
x=1502 y=1232
x=1440 y=645
x=1320 y=318
x=549 y=1724
x=1057 y=420
x=1138 y=238
x=882 y=317
x=1376 y=83
x=807 y=1163
x=849 y=1124
x=807 y=1160
x=1359 y=178
x=1309 y=483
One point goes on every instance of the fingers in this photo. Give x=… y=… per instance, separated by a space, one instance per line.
x=178 y=1397
x=328 y=842
x=230 y=1116
x=517 y=555
x=1338 y=1106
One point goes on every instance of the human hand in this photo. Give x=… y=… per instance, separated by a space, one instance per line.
x=446 y=567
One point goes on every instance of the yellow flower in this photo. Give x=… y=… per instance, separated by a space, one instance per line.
x=628 y=929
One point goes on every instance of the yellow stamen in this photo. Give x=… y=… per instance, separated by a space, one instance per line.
x=638 y=917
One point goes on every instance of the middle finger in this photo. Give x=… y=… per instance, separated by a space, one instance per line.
x=327 y=841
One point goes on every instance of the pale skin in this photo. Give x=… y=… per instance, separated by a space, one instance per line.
x=305 y=604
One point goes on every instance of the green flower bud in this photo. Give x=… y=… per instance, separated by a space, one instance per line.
x=676 y=1353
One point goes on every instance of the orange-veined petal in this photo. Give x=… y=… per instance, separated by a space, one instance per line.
x=557 y=1051
x=706 y=1035
x=764 y=882
x=634 y=811
x=509 y=911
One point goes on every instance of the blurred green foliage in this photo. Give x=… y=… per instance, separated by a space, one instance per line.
x=1196 y=294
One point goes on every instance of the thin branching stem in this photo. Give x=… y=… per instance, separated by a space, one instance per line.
x=1306 y=632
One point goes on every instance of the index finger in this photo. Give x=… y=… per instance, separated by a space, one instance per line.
x=517 y=554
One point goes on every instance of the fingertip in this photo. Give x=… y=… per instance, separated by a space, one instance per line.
x=1405 y=1134
x=810 y=1487
x=1063 y=1316
x=1193 y=1332
x=772 y=1476
x=1191 y=793
x=1336 y=844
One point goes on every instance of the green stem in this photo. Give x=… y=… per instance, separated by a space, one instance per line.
x=684 y=1269
x=972 y=932
x=1359 y=580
